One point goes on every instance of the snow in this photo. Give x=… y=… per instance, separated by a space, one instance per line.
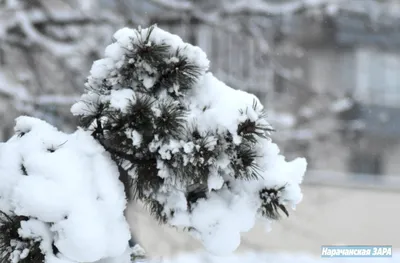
x=342 y=105
x=218 y=220
x=284 y=120
x=138 y=251
x=124 y=40
x=119 y=99
x=71 y=183
x=270 y=257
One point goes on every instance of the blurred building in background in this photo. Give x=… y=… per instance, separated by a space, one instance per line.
x=357 y=54
x=329 y=78
x=327 y=72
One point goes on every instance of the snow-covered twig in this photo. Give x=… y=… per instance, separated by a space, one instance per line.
x=39 y=39
x=265 y=8
x=179 y=6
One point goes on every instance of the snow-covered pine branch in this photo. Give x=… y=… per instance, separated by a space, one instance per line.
x=155 y=126
x=195 y=150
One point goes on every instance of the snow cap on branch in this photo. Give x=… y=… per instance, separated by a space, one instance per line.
x=196 y=151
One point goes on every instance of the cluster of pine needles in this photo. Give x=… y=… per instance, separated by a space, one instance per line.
x=11 y=242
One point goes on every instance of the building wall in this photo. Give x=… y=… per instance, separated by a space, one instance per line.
x=354 y=70
x=330 y=156
x=337 y=156
x=331 y=69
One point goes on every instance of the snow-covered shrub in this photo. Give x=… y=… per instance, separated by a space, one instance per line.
x=195 y=150
x=155 y=126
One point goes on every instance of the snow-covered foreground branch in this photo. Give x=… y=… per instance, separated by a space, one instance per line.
x=155 y=126
x=65 y=193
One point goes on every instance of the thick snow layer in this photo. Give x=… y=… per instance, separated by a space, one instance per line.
x=218 y=220
x=69 y=187
x=258 y=257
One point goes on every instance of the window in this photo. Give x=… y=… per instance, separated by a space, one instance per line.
x=366 y=163
x=392 y=77
x=378 y=78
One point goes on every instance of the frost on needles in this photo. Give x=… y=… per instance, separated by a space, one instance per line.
x=196 y=151
x=158 y=127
